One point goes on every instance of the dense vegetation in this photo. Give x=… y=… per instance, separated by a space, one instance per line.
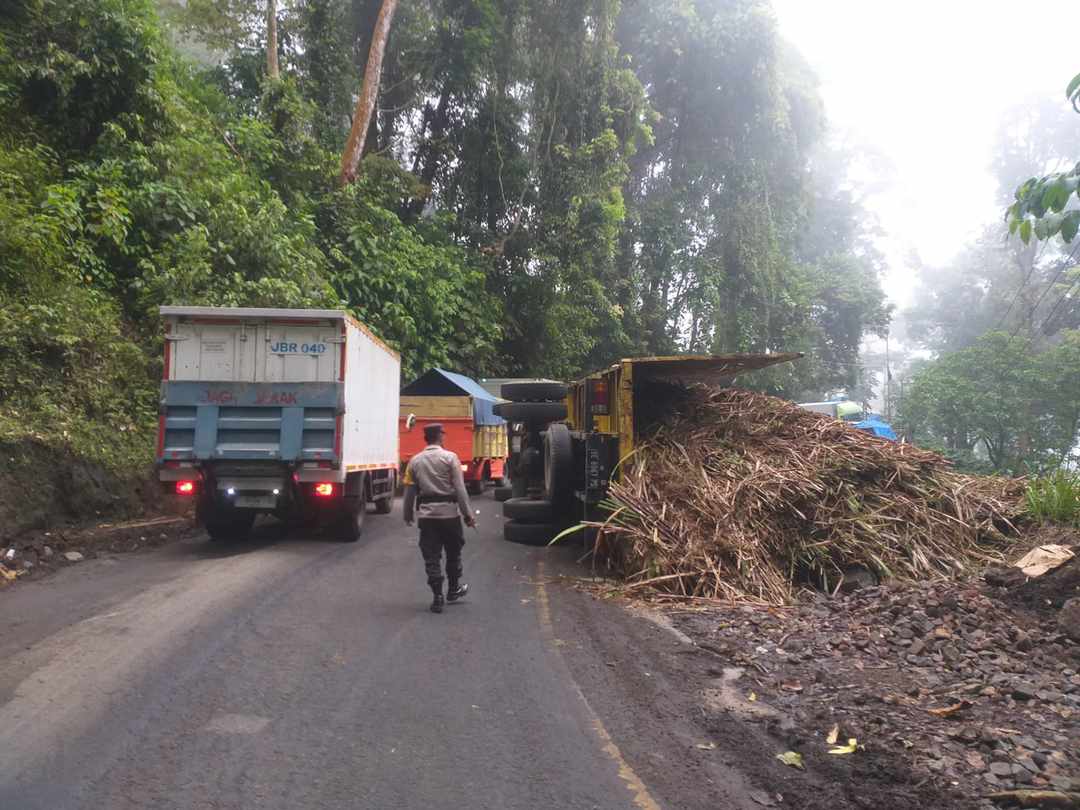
x=546 y=187
x=1003 y=321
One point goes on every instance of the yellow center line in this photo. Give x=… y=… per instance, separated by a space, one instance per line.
x=642 y=798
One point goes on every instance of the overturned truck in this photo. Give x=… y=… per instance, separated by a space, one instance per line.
x=569 y=441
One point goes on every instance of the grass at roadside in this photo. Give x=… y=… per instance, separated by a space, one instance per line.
x=1055 y=498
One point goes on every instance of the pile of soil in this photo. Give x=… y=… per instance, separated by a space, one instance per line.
x=1045 y=595
x=974 y=688
x=742 y=496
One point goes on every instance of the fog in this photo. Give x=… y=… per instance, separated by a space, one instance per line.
x=924 y=85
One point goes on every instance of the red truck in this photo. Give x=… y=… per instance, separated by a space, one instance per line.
x=465 y=410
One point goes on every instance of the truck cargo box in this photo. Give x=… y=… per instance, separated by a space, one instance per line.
x=307 y=395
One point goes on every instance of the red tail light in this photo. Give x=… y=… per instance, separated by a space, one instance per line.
x=324 y=490
x=185 y=487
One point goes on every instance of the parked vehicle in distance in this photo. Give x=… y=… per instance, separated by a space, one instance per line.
x=289 y=412
x=845 y=410
x=851 y=412
x=465 y=410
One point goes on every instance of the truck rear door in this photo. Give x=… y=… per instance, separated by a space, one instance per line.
x=213 y=351
x=298 y=352
x=252 y=389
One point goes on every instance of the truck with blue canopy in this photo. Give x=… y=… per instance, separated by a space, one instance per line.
x=465 y=409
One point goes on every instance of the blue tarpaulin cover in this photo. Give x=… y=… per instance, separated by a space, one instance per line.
x=439 y=382
x=878 y=428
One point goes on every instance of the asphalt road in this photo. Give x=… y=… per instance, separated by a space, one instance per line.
x=299 y=672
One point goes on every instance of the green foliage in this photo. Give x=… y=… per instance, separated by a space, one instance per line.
x=71 y=67
x=68 y=375
x=1041 y=202
x=549 y=186
x=999 y=398
x=423 y=294
x=1055 y=498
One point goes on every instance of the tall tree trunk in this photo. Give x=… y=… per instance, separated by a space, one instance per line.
x=369 y=95
x=271 y=40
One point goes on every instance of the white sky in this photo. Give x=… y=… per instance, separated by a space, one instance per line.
x=924 y=83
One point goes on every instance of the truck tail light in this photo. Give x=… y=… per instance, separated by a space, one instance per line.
x=464 y=467
x=324 y=490
x=185 y=487
x=599 y=404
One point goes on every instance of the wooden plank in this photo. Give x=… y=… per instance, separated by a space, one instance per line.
x=437 y=407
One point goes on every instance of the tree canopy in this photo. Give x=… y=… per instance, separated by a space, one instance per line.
x=545 y=187
x=1004 y=317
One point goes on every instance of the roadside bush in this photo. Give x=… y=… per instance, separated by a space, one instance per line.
x=1055 y=498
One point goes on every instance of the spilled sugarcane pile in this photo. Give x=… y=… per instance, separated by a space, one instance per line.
x=742 y=496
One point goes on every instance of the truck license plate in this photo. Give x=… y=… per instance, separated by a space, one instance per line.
x=256 y=501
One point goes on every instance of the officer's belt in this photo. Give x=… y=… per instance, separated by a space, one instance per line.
x=422 y=499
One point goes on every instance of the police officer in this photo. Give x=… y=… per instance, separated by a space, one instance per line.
x=435 y=485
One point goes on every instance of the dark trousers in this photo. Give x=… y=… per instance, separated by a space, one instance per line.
x=437 y=534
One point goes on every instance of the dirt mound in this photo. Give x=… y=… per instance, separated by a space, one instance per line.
x=1044 y=595
x=944 y=680
x=741 y=496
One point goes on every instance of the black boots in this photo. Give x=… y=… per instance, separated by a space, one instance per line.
x=437 y=603
x=457 y=591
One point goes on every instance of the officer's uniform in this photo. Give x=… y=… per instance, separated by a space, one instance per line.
x=434 y=482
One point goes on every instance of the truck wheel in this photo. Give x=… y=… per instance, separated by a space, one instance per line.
x=532 y=413
x=384 y=506
x=504 y=493
x=527 y=510
x=223 y=527
x=529 y=534
x=519 y=486
x=559 y=465
x=353 y=521
x=474 y=487
x=534 y=391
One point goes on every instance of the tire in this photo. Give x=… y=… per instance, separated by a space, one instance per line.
x=224 y=528
x=534 y=391
x=503 y=493
x=559 y=465
x=384 y=506
x=474 y=487
x=532 y=413
x=529 y=534
x=352 y=526
x=519 y=485
x=527 y=510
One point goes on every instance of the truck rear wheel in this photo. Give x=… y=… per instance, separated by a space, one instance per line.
x=353 y=519
x=384 y=506
x=527 y=510
x=474 y=487
x=224 y=526
x=534 y=391
x=529 y=534
x=504 y=493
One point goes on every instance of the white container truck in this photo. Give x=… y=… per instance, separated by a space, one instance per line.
x=290 y=412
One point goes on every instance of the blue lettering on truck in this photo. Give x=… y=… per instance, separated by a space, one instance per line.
x=297 y=348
